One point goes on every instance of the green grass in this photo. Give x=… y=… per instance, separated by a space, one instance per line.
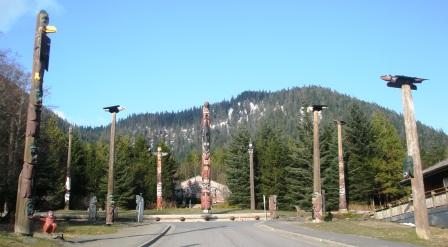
x=69 y=229
x=383 y=230
x=12 y=240
x=75 y=229
x=348 y=215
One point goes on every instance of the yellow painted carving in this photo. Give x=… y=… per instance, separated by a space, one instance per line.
x=50 y=29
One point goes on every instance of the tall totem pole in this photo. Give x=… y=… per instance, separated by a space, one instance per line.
x=342 y=194
x=24 y=205
x=206 y=200
x=251 y=176
x=67 y=178
x=110 y=203
x=317 y=187
x=407 y=84
x=159 y=178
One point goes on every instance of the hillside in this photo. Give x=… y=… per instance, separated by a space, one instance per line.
x=251 y=108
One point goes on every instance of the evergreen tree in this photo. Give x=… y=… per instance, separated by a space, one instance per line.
x=151 y=179
x=388 y=156
x=433 y=155
x=51 y=168
x=169 y=174
x=237 y=169
x=143 y=164
x=79 y=190
x=330 y=166
x=97 y=159
x=272 y=158
x=299 y=172
x=218 y=165
x=360 y=170
x=124 y=188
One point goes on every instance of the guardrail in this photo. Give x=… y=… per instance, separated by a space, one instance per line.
x=434 y=198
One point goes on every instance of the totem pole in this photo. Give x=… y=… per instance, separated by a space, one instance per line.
x=317 y=188
x=140 y=204
x=110 y=204
x=342 y=197
x=159 y=178
x=24 y=205
x=92 y=208
x=251 y=176
x=407 y=84
x=206 y=199
x=67 y=178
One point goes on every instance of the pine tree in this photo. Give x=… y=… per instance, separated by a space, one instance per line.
x=142 y=167
x=388 y=156
x=237 y=169
x=299 y=173
x=79 y=190
x=97 y=158
x=218 y=165
x=272 y=155
x=360 y=170
x=169 y=174
x=330 y=166
x=124 y=189
x=51 y=169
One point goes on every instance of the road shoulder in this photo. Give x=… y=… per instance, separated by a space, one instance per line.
x=337 y=239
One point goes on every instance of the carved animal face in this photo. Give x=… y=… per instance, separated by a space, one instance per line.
x=43 y=18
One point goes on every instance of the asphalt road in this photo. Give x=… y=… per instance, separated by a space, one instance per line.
x=227 y=233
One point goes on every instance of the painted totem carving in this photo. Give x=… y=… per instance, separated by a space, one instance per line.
x=206 y=200
x=159 y=178
x=24 y=205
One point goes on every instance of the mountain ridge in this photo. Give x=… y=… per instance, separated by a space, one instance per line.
x=181 y=130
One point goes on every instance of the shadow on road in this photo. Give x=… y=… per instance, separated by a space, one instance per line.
x=196 y=230
x=99 y=239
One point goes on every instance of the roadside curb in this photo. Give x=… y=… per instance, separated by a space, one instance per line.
x=153 y=240
x=331 y=242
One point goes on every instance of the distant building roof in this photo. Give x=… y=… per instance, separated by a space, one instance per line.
x=192 y=187
x=428 y=172
x=442 y=165
x=198 y=180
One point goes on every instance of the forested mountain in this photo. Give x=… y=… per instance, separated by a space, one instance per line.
x=251 y=109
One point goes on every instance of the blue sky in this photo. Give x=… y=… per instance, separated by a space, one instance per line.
x=153 y=56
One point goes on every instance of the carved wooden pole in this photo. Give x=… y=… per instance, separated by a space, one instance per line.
x=317 y=188
x=251 y=176
x=412 y=143
x=67 y=178
x=159 y=178
x=206 y=199
x=342 y=198
x=24 y=205
x=110 y=180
